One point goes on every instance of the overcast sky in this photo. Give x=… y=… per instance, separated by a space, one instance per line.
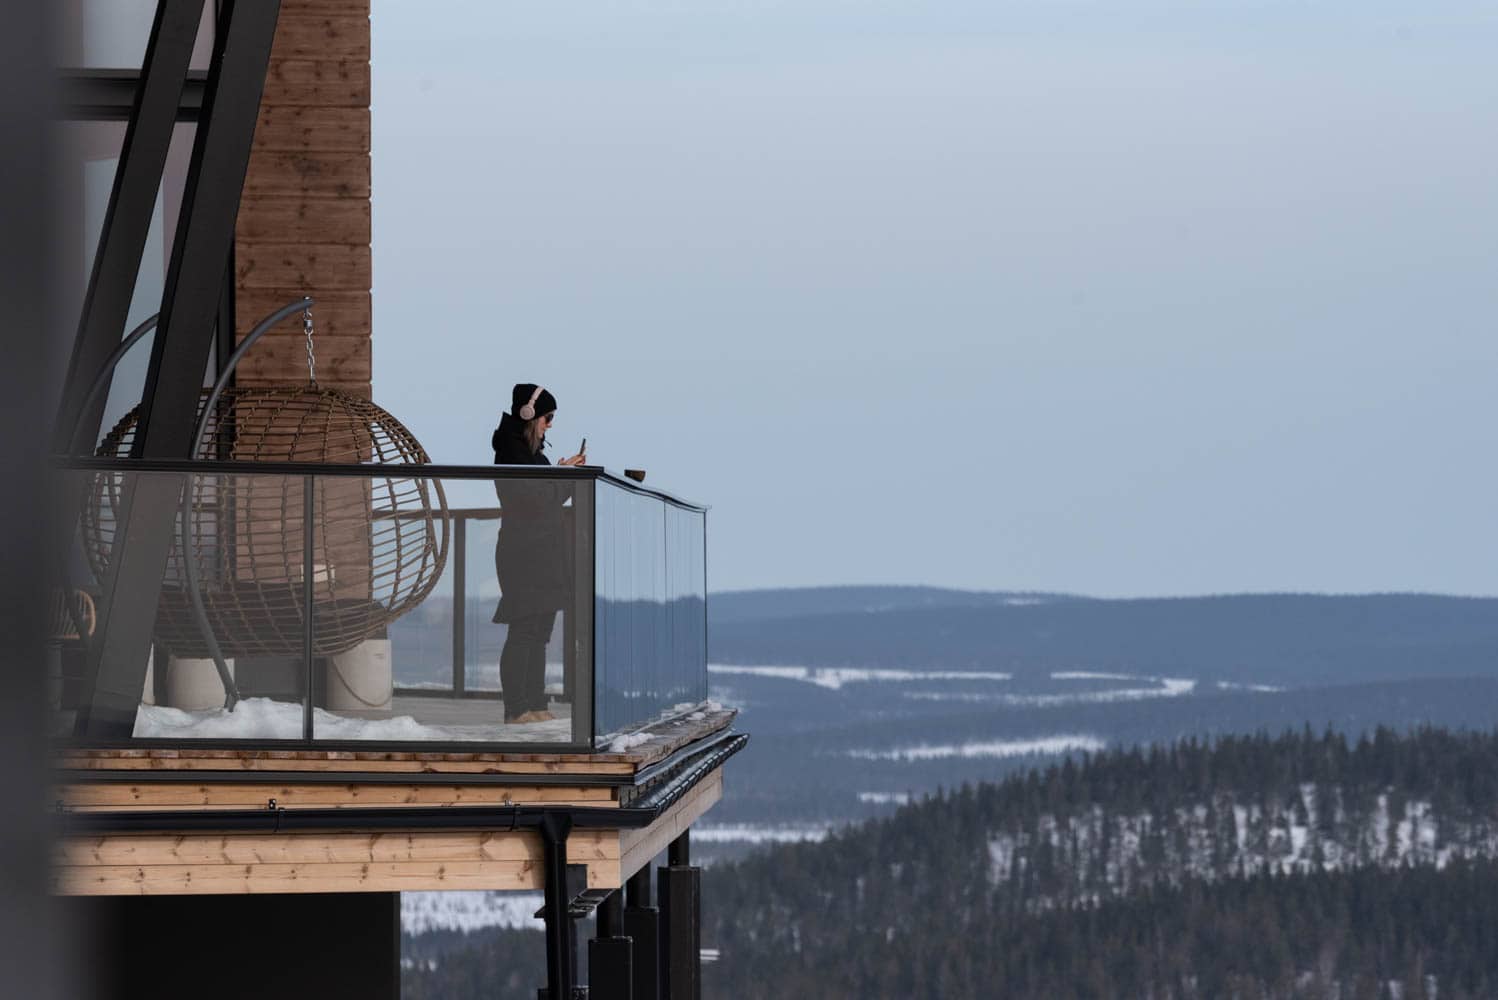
x=1113 y=297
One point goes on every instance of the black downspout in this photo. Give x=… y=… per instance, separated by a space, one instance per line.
x=554 y=827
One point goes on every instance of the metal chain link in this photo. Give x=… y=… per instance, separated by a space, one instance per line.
x=307 y=331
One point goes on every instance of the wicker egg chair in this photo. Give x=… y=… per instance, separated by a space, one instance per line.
x=236 y=581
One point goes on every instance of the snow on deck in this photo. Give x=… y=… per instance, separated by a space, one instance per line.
x=268 y=719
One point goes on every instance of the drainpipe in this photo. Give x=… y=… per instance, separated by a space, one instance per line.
x=554 y=828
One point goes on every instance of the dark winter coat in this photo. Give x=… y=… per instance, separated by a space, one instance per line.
x=533 y=557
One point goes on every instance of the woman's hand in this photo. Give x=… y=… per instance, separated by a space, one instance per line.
x=581 y=458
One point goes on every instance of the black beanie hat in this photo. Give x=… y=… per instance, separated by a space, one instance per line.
x=521 y=394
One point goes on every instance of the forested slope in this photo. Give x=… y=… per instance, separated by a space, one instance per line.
x=943 y=885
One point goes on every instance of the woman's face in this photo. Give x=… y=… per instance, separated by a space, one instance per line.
x=546 y=419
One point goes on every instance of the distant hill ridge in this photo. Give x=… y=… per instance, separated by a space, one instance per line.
x=797 y=602
x=1252 y=638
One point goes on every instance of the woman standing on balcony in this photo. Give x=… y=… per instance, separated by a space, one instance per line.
x=532 y=557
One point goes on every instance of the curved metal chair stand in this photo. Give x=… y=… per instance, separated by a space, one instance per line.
x=101 y=380
x=190 y=565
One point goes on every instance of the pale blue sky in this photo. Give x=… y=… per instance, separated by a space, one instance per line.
x=1120 y=298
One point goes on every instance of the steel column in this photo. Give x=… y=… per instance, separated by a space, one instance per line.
x=115 y=671
x=205 y=230
x=610 y=959
x=132 y=201
x=679 y=852
x=681 y=925
x=642 y=926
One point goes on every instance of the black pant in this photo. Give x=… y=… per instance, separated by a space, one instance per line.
x=522 y=665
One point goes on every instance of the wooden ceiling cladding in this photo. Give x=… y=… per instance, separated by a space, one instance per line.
x=304 y=219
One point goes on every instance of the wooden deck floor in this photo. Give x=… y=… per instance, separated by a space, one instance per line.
x=352 y=861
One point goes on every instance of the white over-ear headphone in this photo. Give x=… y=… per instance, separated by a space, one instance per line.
x=528 y=411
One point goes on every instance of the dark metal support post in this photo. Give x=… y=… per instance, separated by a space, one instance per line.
x=610 y=953
x=679 y=853
x=116 y=664
x=127 y=218
x=681 y=924
x=642 y=926
x=460 y=605
x=560 y=940
x=309 y=567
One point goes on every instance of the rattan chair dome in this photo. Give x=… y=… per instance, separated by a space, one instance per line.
x=379 y=543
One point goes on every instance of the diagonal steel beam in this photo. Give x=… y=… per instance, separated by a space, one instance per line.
x=127 y=219
x=116 y=663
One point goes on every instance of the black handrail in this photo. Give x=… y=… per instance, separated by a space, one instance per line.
x=365 y=470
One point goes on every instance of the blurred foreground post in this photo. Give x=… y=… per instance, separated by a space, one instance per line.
x=30 y=939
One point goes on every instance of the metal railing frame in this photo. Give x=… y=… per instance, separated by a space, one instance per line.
x=311 y=470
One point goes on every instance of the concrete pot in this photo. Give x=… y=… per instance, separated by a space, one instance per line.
x=361 y=679
x=192 y=683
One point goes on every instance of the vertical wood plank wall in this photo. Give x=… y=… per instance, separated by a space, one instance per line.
x=304 y=220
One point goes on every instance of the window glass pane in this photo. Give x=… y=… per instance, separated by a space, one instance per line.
x=515 y=668
x=112 y=34
x=650 y=648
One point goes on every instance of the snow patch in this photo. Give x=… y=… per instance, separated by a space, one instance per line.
x=1257 y=688
x=833 y=678
x=625 y=742
x=466 y=910
x=884 y=798
x=993 y=748
x=747 y=833
x=1168 y=687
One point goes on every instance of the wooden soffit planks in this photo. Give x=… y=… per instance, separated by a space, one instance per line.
x=351 y=861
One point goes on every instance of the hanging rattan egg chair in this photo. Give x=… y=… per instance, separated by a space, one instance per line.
x=237 y=576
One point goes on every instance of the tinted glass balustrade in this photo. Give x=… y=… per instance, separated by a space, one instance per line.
x=368 y=606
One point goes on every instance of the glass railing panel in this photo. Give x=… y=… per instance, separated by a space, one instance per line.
x=650 y=654
x=684 y=674
x=483 y=637
x=371 y=606
x=212 y=647
x=483 y=608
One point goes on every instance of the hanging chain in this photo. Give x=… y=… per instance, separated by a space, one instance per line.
x=307 y=331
